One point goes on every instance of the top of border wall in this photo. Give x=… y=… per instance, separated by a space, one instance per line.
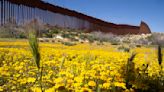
x=54 y=8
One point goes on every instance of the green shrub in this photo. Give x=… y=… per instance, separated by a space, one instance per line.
x=91 y=39
x=22 y=35
x=68 y=43
x=123 y=48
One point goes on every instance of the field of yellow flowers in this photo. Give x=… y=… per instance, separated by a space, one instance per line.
x=79 y=68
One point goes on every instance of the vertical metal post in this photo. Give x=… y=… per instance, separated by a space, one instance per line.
x=2 y=12
x=9 y=12
x=13 y=9
x=6 y=9
x=30 y=13
x=22 y=14
x=18 y=14
x=27 y=13
x=24 y=11
x=34 y=13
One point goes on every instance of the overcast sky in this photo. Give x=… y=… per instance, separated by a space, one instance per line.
x=120 y=11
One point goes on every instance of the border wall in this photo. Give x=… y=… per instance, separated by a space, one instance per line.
x=23 y=11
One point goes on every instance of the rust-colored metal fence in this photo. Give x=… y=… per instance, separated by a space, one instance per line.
x=20 y=13
x=24 y=11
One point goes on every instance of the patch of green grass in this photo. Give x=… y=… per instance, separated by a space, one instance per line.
x=7 y=39
x=11 y=39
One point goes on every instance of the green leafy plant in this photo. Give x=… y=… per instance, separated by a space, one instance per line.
x=34 y=45
x=159 y=55
x=33 y=42
x=129 y=70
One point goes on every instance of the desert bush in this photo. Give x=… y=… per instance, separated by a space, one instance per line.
x=8 y=30
x=157 y=38
x=68 y=43
x=4 y=33
x=142 y=42
x=106 y=37
x=123 y=48
x=13 y=30
x=90 y=38
x=148 y=39
x=66 y=35
x=55 y=31
x=82 y=36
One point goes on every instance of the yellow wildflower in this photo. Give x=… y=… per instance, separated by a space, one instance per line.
x=85 y=90
x=91 y=83
x=31 y=79
x=1 y=88
x=106 y=85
